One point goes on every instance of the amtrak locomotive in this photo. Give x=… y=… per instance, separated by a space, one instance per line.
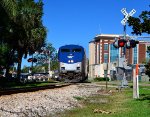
x=72 y=63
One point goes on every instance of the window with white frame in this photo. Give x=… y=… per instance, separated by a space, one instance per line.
x=105 y=57
x=105 y=46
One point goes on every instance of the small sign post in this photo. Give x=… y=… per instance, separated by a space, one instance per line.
x=137 y=79
x=136 y=82
x=105 y=67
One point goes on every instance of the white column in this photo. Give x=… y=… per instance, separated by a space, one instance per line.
x=49 y=67
x=137 y=53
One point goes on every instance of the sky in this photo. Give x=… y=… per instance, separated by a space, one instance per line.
x=79 y=21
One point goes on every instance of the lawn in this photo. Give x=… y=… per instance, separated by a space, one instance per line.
x=114 y=104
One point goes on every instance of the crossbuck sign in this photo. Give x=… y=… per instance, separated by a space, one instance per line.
x=127 y=15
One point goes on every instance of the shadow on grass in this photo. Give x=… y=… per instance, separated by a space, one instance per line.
x=4 y=83
x=144 y=97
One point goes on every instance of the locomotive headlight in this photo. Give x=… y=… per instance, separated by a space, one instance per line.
x=69 y=61
x=62 y=68
x=78 y=68
x=78 y=65
x=72 y=61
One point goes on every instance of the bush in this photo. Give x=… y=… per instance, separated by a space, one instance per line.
x=3 y=81
x=101 y=79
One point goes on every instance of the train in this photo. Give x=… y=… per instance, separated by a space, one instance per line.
x=72 y=63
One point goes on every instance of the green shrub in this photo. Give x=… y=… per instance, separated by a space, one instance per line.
x=101 y=79
x=78 y=98
x=3 y=81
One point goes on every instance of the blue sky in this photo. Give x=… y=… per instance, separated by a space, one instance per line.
x=79 y=21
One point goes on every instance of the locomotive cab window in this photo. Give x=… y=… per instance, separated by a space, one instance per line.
x=76 y=50
x=65 y=50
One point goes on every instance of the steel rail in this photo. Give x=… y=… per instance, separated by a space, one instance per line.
x=9 y=91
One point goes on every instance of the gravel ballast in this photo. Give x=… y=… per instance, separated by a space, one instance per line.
x=44 y=102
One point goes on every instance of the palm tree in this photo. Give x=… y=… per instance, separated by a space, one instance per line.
x=6 y=57
x=27 y=31
x=34 y=32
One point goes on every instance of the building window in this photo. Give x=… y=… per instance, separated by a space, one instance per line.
x=105 y=46
x=114 y=53
x=99 y=53
x=105 y=57
x=147 y=55
x=105 y=73
x=95 y=53
x=135 y=55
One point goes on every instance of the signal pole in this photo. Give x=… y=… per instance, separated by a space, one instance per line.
x=124 y=82
x=124 y=31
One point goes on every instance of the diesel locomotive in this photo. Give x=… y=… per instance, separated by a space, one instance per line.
x=72 y=63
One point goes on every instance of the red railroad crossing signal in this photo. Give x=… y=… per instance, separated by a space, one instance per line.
x=125 y=43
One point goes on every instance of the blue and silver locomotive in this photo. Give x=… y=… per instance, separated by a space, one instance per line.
x=72 y=63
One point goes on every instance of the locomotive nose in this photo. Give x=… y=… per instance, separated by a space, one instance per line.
x=70 y=56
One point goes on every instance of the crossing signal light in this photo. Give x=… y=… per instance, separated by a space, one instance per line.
x=34 y=60
x=133 y=43
x=125 y=43
x=128 y=45
x=115 y=44
x=121 y=42
x=30 y=60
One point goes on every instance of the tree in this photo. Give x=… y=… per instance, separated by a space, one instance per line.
x=147 y=64
x=45 y=52
x=141 y=25
x=7 y=57
x=25 y=69
x=24 y=27
x=42 y=56
x=34 y=33
x=6 y=50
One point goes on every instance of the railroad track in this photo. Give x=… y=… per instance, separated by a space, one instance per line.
x=9 y=91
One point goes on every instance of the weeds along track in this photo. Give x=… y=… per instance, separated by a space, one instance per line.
x=9 y=91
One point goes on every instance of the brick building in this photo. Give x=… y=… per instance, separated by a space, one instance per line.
x=102 y=51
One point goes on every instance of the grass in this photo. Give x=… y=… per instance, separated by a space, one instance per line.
x=29 y=84
x=78 y=98
x=119 y=104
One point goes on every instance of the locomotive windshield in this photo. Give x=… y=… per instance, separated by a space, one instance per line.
x=76 y=50
x=71 y=54
x=65 y=50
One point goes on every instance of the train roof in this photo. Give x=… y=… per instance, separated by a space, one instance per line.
x=71 y=46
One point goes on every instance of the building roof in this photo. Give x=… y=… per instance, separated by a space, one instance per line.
x=113 y=36
x=108 y=36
